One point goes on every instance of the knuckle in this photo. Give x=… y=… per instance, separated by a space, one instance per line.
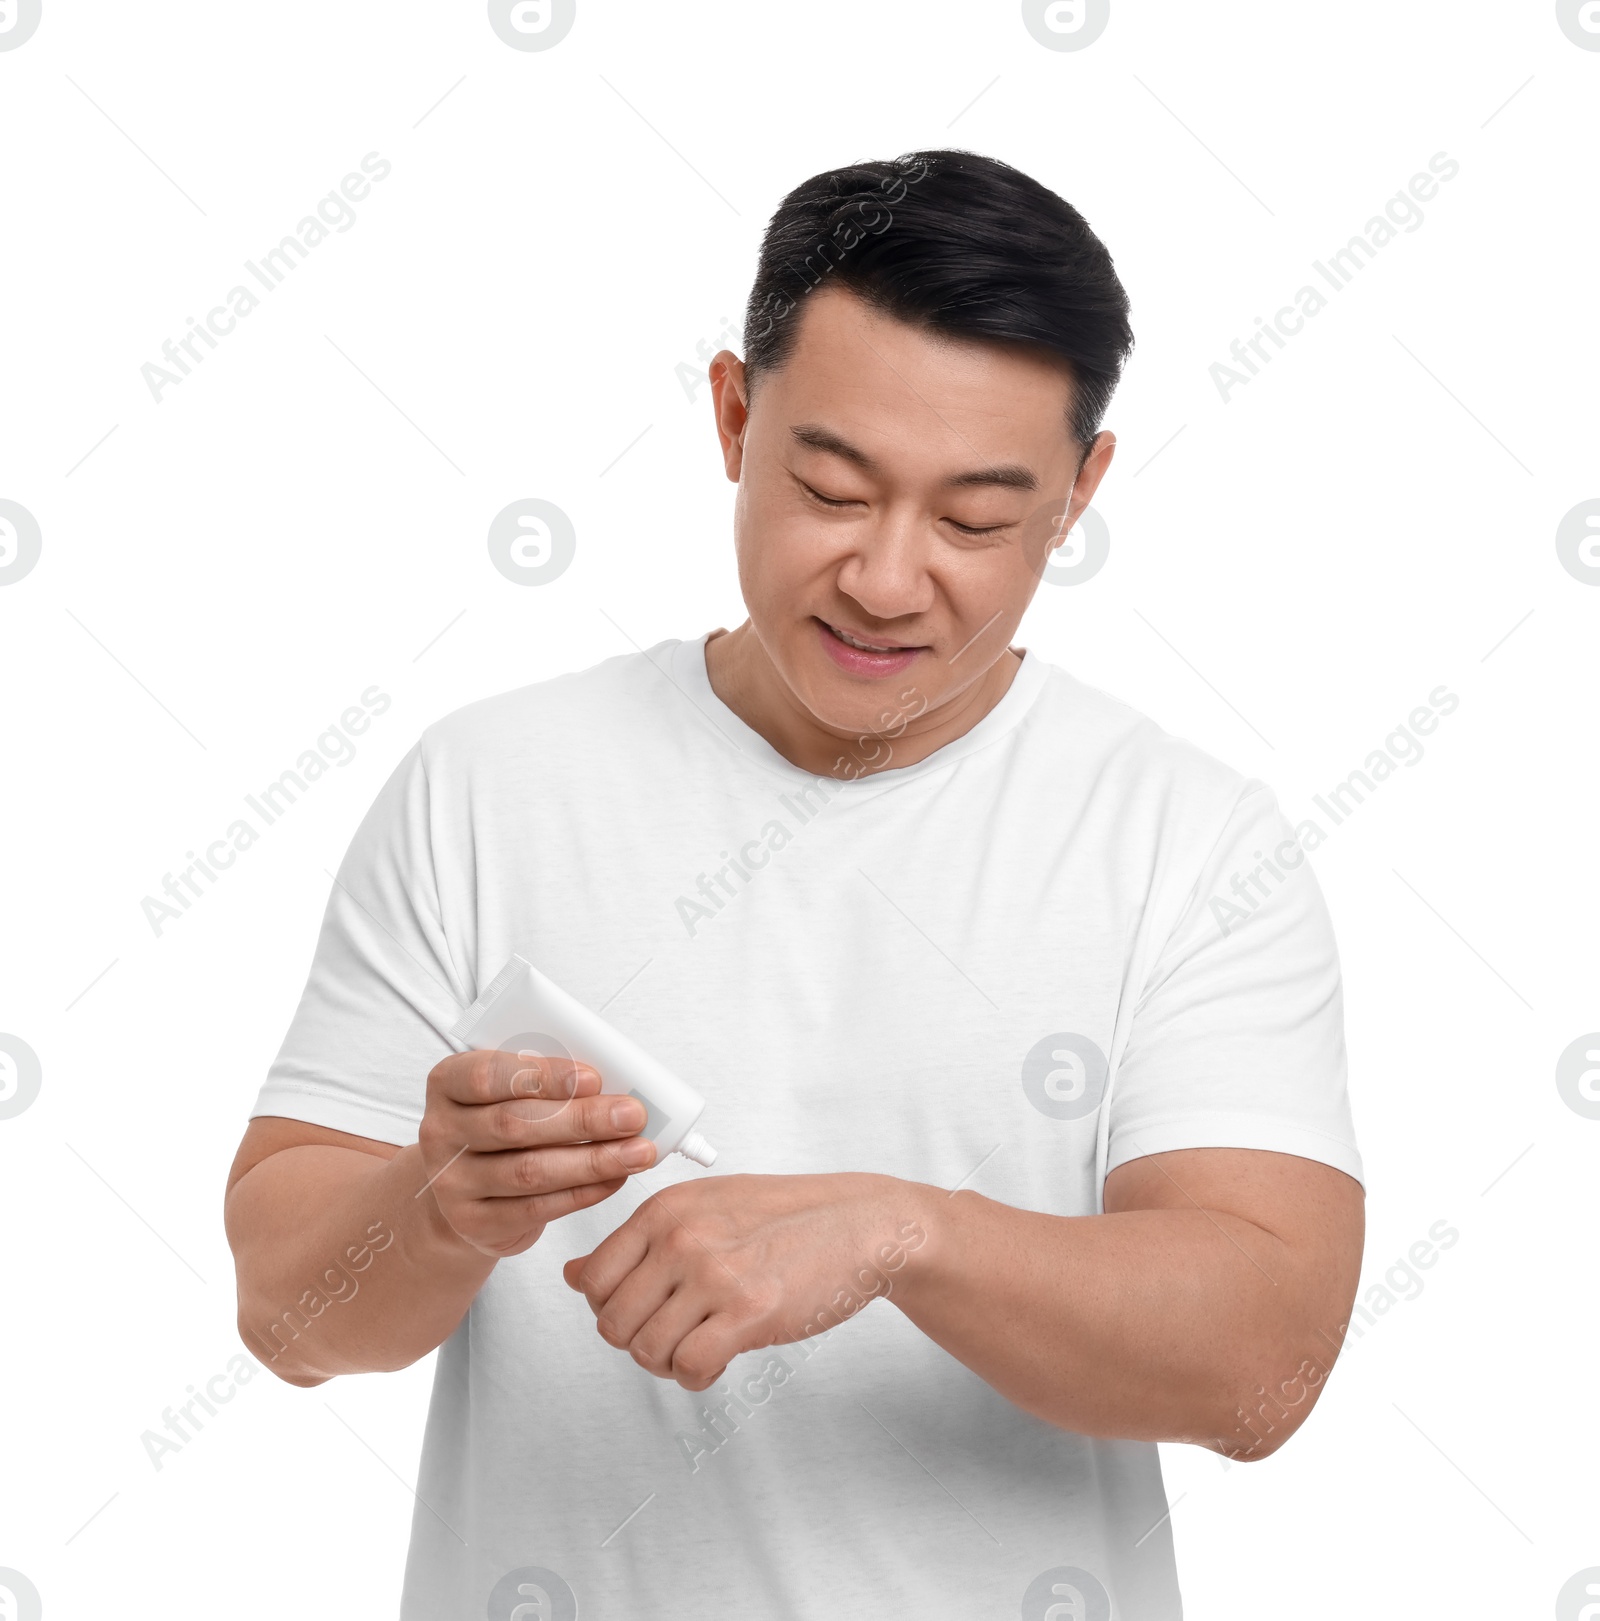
x=480 y=1076
x=651 y=1361
x=527 y=1076
x=439 y=1077
x=602 y=1162
x=695 y=1367
x=528 y=1172
x=504 y=1124
x=679 y=1242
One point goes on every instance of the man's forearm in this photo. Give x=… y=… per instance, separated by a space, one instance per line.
x=343 y=1266
x=1182 y=1324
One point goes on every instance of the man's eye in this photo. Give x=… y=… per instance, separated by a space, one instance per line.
x=977 y=531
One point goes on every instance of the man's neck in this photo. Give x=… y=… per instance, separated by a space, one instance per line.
x=746 y=680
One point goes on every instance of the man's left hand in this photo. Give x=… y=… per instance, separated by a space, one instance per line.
x=707 y=1269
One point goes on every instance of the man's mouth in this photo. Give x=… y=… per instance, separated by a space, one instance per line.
x=866 y=655
x=868 y=647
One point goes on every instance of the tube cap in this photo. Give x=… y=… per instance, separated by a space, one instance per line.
x=695 y=1147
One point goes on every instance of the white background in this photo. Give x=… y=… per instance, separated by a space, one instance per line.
x=1289 y=577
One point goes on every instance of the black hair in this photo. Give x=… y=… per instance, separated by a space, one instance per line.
x=956 y=243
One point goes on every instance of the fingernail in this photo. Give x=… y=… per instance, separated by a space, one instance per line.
x=637 y=1154
x=627 y=1115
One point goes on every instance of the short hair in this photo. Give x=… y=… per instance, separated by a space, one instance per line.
x=955 y=243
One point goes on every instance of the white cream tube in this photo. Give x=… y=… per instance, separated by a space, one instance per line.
x=523 y=1011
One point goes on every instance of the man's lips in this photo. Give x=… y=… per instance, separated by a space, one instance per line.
x=873 y=644
x=881 y=658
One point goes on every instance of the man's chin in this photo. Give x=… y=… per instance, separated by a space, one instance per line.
x=865 y=726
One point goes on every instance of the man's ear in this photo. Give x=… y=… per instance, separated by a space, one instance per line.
x=730 y=402
x=1095 y=466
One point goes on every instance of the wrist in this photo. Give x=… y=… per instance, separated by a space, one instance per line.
x=434 y=1240
x=917 y=1219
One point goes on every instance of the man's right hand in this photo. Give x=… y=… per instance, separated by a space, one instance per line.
x=511 y=1141
x=359 y=1255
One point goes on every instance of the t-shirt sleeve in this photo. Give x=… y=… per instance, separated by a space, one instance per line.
x=1237 y=1039
x=383 y=988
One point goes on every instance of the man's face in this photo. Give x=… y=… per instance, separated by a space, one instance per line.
x=898 y=489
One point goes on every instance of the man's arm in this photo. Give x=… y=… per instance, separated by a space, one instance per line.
x=340 y=1269
x=357 y=1256
x=1205 y=1305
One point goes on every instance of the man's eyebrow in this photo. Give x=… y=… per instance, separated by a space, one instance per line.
x=1008 y=475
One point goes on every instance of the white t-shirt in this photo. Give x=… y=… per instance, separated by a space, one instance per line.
x=1060 y=942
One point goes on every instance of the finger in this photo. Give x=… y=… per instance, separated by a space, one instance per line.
x=613 y=1259
x=502 y=1225
x=552 y=1206
x=537 y=1075
x=637 y=1300
x=488 y=1076
x=655 y=1342
x=519 y=1173
x=702 y=1384
x=701 y=1356
x=657 y=1339
x=537 y=1122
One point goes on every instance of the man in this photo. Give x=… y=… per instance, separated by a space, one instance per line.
x=1006 y=1006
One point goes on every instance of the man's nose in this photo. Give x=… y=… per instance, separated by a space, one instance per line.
x=887 y=571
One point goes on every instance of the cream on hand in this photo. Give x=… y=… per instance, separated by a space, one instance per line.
x=523 y=1011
